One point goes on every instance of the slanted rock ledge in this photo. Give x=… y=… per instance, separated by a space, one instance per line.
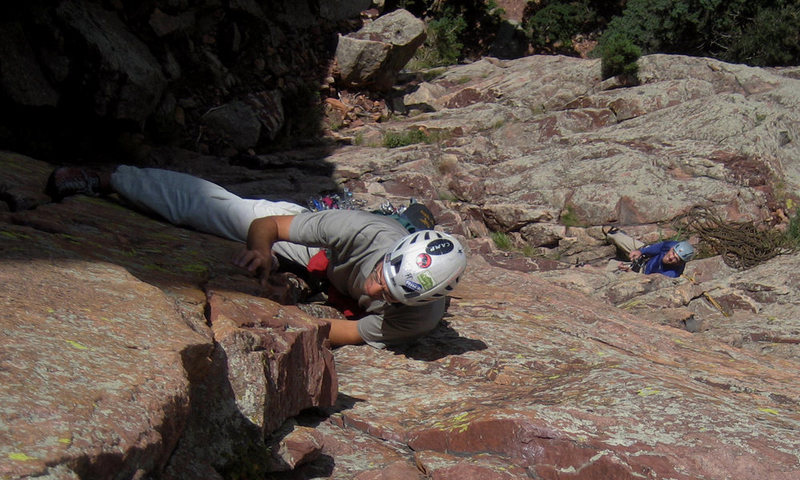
x=110 y=365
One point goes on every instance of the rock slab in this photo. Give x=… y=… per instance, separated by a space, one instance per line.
x=109 y=361
x=528 y=380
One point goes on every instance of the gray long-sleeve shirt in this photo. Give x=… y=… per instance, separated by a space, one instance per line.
x=356 y=241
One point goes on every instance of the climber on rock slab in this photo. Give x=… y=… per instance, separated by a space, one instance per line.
x=667 y=258
x=395 y=283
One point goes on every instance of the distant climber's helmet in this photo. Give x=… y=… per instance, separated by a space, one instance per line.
x=424 y=266
x=684 y=250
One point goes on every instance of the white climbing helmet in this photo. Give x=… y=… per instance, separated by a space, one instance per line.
x=684 y=250
x=424 y=266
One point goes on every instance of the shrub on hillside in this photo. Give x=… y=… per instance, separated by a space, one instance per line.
x=773 y=38
x=553 y=26
x=442 y=45
x=793 y=232
x=619 y=58
x=665 y=26
x=761 y=32
x=455 y=29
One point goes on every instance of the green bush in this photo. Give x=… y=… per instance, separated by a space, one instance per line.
x=395 y=139
x=761 y=32
x=442 y=46
x=401 y=139
x=619 y=58
x=445 y=33
x=502 y=241
x=773 y=38
x=553 y=26
x=570 y=218
x=456 y=30
x=666 y=26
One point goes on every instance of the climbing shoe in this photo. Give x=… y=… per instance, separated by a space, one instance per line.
x=66 y=181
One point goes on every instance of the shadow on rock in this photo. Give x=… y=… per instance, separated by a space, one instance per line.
x=440 y=343
x=217 y=432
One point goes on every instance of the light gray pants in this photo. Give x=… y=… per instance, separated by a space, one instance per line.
x=624 y=242
x=193 y=202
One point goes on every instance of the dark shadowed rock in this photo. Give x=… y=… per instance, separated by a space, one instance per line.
x=241 y=123
x=236 y=123
x=343 y=9
x=21 y=182
x=21 y=77
x=132 y=82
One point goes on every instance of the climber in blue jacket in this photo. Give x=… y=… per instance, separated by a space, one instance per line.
x=667 y=258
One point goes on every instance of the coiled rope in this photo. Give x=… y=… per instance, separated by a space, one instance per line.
x=741 y=245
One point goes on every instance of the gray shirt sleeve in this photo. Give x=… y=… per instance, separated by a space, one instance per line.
x=400 y=323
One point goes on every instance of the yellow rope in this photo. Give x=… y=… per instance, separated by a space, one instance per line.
x=717 y=305
x=708 y=296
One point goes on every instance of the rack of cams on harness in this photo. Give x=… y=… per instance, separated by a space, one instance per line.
x=639 y=263
x=414 y=216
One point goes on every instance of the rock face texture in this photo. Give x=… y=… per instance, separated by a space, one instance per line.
x=100 y=382
x=124 y=353
x=541 y=149
x=528 y=380
x=541 y=140
x=161 y=359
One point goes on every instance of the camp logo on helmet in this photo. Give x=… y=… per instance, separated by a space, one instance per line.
x=426 y=280
x=439 y=246
x=423 y=260
x=413 y=285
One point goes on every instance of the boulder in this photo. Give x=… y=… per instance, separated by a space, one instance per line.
x=242 y=123
x=268 y=365
x=295 y=445
x=236 y=123
x=375 y=54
